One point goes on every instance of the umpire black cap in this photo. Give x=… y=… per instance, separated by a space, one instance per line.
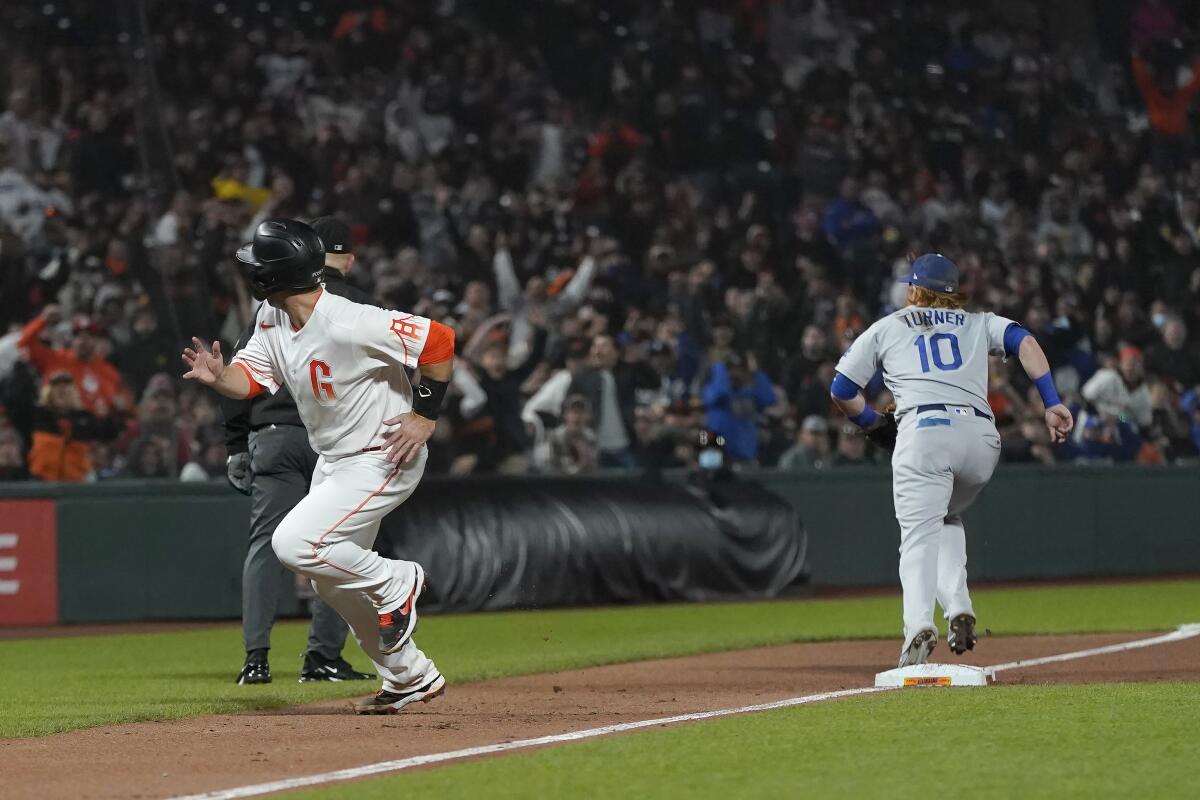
x=334 y=233
x=285 y=254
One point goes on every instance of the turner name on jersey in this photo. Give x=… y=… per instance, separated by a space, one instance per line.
x=925 y=318
x=929 y=356
x=343 y=368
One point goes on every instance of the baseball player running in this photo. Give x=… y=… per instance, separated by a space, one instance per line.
x=271 y=460
x=345 y=364
x=934 y=357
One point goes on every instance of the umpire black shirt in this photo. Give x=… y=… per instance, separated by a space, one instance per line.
x=243 y=416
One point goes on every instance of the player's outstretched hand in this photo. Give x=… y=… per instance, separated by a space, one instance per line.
x=405 y=442
x=1059 y=423
x=203 y=365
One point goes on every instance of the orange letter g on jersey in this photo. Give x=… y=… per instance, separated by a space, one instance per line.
x=321 y=376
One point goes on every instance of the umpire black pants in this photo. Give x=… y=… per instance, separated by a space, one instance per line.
x=283 y=464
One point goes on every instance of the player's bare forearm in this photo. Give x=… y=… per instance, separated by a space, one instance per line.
x=233 y=383
x=1033 y=358
x=441 y=371
x=852 y=407
x=1059 y=421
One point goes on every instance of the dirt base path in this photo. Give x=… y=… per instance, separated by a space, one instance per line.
x=161 y=759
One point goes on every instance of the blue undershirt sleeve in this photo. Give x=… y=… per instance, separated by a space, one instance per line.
x=843 y=388
x=1013 y=335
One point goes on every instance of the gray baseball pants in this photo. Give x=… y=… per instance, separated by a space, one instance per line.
x=942 y=460
x=283 y=462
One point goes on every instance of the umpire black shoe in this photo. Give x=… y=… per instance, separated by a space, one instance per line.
x=961 y=636
x=318 y=668
x=396 y=627
x=256 y=669
x=385 y=702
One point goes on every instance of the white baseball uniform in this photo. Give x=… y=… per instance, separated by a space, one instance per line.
x=346 y=369
x=935 y=362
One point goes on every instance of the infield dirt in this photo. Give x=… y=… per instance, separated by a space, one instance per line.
x=161 y=759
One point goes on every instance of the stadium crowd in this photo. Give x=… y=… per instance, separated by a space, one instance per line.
x=643 y=220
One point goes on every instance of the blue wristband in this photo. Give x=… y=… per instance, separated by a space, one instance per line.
x=1045 y=387
x=864 y=419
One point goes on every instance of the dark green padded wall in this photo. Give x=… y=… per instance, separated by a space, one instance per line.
x=132 y=550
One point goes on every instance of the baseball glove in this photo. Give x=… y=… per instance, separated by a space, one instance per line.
x=882 y=432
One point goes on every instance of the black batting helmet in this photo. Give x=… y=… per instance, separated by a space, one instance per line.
x=285 y=254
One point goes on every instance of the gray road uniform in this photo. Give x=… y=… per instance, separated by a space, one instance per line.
x=935 y=362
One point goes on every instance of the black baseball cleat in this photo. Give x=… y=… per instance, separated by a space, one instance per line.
x=396 y=627
x=385 y=702
x=961 y=636
x=255 y=670
x=318 y=668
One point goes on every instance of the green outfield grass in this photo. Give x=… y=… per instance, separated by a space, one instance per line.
x=53 y=685
x=1122 y=740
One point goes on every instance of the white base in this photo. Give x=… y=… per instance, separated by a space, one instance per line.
x=934 y=675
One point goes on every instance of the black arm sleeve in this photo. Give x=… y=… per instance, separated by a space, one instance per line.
x=237 y=412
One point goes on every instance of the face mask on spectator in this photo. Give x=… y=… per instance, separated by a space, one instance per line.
x=711 y=459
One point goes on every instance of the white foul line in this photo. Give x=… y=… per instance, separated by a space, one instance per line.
x=520 y=744
x=1179 y=634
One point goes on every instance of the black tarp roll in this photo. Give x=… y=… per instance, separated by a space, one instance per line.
x=493 y=543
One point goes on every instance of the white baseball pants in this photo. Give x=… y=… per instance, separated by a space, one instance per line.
x=328 y=537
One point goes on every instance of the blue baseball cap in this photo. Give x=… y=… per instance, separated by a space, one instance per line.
x=935 y=272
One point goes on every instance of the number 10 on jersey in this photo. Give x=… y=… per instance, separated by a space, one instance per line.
x=935 y=349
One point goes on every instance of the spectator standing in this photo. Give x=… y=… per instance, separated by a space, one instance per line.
x=609 y=386
x=100 y=386
x=1167 y=102
x=545 y=406
x=63 y=432
x=736 y=393
x=1120 y=409
x=536 y=299
x=503 y=387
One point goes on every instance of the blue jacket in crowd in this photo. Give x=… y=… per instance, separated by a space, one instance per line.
x=733 y=412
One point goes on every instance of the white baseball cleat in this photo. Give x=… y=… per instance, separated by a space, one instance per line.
x=385 y=702
x=918 y=650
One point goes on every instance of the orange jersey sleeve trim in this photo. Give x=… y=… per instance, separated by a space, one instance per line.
x=439 y=344
x=256 y=388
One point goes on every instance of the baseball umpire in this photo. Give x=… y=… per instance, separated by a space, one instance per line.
x=271 y=460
